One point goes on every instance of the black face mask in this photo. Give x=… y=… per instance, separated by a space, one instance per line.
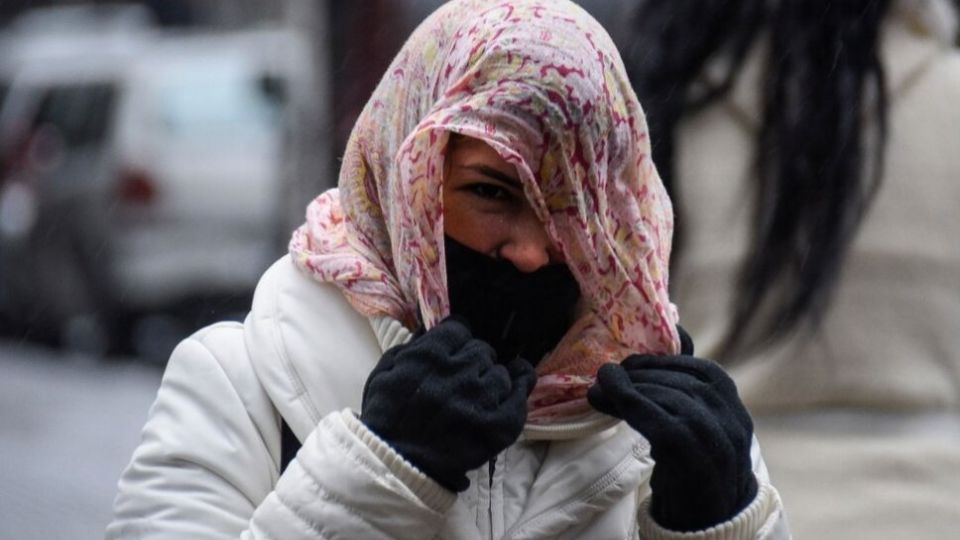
x=519 y=314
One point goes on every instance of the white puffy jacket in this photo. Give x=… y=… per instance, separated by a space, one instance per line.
x=208 y=464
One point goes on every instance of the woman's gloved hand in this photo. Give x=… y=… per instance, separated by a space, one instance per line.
x=444 y=403
x=699 y=432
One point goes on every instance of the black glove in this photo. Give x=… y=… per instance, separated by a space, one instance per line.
x=444 y=403
x=699 y=431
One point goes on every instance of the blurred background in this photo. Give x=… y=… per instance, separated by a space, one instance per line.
x=154 y=158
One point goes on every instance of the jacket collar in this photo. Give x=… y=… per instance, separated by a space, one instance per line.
x=312 y=353
x=310 y=350
x=602 y=469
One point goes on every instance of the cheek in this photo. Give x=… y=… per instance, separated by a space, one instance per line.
x=483 y=232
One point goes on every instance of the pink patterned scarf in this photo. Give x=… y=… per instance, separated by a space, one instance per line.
x=541 y=83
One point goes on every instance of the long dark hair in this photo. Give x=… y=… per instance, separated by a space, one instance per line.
x=823 y=75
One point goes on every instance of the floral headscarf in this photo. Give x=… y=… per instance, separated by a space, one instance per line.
x=541 y=83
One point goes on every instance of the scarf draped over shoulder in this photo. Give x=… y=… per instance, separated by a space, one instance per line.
x=542 y=84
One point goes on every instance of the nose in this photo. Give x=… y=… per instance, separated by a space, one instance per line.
x=529 y=248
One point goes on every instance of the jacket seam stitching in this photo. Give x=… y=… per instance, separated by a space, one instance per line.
x=301 y=394
x=233 y=389
x=585 y=495
x=328 y=496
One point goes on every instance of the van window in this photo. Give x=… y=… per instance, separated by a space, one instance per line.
x=217 y=106
x=81 y=114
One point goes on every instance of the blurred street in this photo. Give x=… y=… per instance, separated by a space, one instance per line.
x=68 y=425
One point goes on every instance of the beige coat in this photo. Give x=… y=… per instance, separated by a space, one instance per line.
x=861 y=421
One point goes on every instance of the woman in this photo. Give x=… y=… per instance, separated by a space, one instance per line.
x=497 y=197
x=812 y=149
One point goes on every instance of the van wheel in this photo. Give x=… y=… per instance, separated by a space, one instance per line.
x=86 y=334
x=84 y=317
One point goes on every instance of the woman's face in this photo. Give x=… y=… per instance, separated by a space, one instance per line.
x=485 y=209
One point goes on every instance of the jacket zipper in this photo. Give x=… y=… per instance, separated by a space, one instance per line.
x=602 y=484
x=491 y=470
x=492 y=467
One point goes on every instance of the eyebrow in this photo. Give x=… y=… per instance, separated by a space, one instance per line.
x=486 y=170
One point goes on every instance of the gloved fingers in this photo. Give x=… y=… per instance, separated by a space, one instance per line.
x=650 y=400
x=671 y=419
x=600 y=402
x=689 y=364
x=716 y=391
x=460 y=319
x=386 y=364
x=686 y=342
x=684 y=385
x=598 y=399
x=613 y=382
x=400 y=384
x=505 y=381
x=516 y=401
x=660 y=403
x=693 y=387
x=703 y=398
x=495 y=384
x=691 y=427
x=522 y=374
x=675 y=404
x=648 y=416
x=704 y=370
x=614 y=393
x=475 y=355
x=494 y=406
x=449 y=335
x=474 y=375
x=614 y=377
x=387 y=361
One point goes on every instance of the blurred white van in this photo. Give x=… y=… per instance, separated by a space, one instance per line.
x=199 y=141
x=139 y=170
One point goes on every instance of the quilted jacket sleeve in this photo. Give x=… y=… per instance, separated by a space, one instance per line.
x=346 y=483
x=208 y=464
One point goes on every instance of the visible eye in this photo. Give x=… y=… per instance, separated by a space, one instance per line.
x=489 y=191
